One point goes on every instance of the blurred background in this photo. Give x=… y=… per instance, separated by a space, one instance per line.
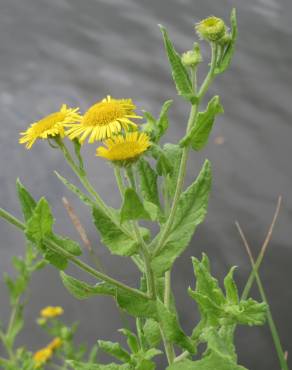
x=76 y=52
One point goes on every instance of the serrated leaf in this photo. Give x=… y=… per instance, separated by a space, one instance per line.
x=132 y=208
x=148 y=182
x=136 y=305
x=179 y=73
x=191 y=211
x=199 y=134
x=152 y=333
x=117 y=241
x=27 y=202
x=231 y=288
x=249 y=312
x=230 y=47
x=115 y=350
x=172 y=330
x=81 y=290
x=40 y=224
x=174 y=153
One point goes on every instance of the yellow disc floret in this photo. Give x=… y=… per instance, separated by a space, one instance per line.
x=124 y=147
x=104 y=119
x=50 y=312
x=211 y=29
x=50 y=126
x=42 y=356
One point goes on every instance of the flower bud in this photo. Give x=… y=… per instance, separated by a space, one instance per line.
x=211 y=29
x=193 y=57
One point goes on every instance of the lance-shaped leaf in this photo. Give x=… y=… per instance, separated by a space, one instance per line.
x=117 y=241
x=229 y=49
x=173 y=153
x=136 y=305
x=67 y=244
x=179 y=72
x=81 y=290
x=199 y=134
x=132 y=340
x=27 y=202
x=152 y=333
x=133 y=208
x=231 y=288
x=40 y=224
x=148 y=182
x=191 y=211
x=172 y=330
x=115 y=350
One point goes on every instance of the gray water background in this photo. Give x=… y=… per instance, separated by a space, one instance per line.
x=76 y=52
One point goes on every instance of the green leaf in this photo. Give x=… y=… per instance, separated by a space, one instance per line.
x=67 y=244
x=132 y=208
x=117 y=241
x=191 y=211
x=89 y=366
x=212 y=361
x=179 y=73
x=249 y=312
x=157 y=128
x=172 y=329
x=136 y=305
x=81 y=290
x=199 y=134
x=17 y=325
x=230 y=287
x=230 y=47
x=152 y=333
x=148 y=182
x=40 y=224
x=27 y=202
x=132 y=340
x=152 y=210
x=173 y=153
x=54 y=258
x=114 y=349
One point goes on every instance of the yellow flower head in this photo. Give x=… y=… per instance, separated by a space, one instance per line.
x=51 y=312
x=103 y=119
x=124 y=148
x=42 y=356
x=211 y=29
x=55 y=344
x=50 y=126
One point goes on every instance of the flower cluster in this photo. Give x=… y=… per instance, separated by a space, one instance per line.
x=110 y=119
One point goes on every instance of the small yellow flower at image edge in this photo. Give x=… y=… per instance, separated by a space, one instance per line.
x=50 y=126
x=104 y=119
x=51 y=312
x=126 y=147
x=42 y=356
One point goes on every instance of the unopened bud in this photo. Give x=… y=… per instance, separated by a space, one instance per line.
x=193 y=57
x=211 y=29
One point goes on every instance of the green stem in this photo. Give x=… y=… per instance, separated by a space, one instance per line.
x=82 y=265
x=117 y=171
x=182 y=170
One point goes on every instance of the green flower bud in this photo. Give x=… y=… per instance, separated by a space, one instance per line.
x=211 y=29
x=193 y=57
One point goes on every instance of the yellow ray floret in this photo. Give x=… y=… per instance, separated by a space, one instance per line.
x=42 y=356
x=121 y=148
x=55 y=344
x=50 y=126
x=51 y=312
x=104 y=119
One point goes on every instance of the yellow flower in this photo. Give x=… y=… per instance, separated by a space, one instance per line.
x=50 y=126
x=103 y=119
x=42 y=356
x=124 y=148
x=211 y=29
x=51 y=312
x=55 y=344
